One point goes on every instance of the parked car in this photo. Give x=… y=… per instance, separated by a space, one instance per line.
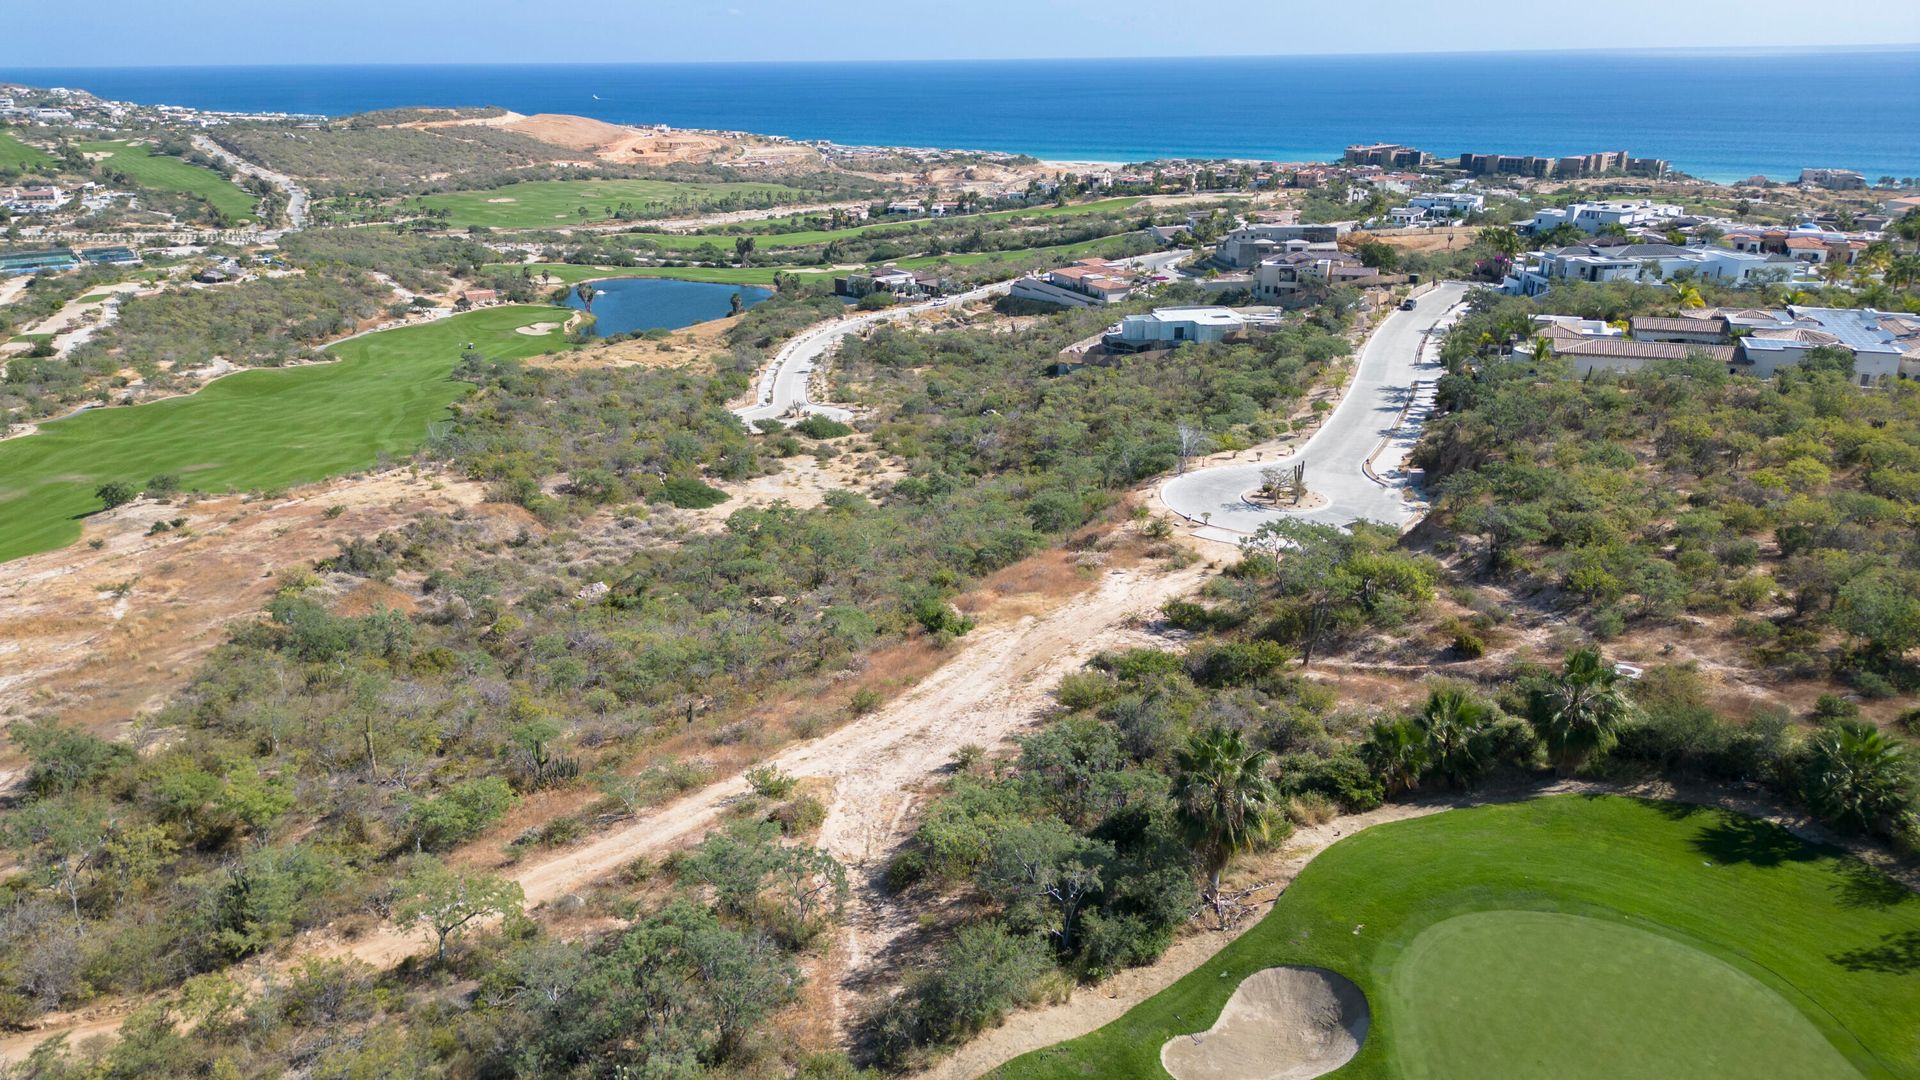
x=1408 y=304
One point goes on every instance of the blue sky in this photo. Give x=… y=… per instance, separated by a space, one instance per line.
x=164 y=32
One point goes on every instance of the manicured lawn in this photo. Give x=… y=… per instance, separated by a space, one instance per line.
x=767 y=238
x=1063 y=252
x=539 y=204
x=163 y=173
x=255 y=429
x=1575 y=937
x=19 y=155
x=569 y=273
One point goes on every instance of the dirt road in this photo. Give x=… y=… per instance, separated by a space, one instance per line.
x=996 y=684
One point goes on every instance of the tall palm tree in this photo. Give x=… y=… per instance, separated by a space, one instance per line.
x=1396 y=750
x=584 y=291
x=1580 y=714
x=1225 y=800
x=1451 y=720
x=1855 y=774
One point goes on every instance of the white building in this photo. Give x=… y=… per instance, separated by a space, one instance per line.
x=1166 y=328
x=1648 y=262
x=1449 y=203
x=1592 y=217
x=1249 y=245
x=1882 y=343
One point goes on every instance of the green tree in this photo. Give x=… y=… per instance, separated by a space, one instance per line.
x=1856 y=775
x=1579 y=714
x=1454 y=721
x=116 y=493
x=1225 y=801
x=446 y=901
x=1882 y=608
x=1397 y=750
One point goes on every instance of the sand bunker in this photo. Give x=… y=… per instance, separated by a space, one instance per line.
x=539 y=329
x=503 y=199
x=1282 y=1023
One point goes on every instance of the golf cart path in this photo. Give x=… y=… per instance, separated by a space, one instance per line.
x=1356 y=460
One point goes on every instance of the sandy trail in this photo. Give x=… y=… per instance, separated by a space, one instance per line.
x=993 y=692
x=992 y=686
x=995 y=685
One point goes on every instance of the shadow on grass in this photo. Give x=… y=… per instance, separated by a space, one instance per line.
x=1858 y=885
x=1739 y=839
x=1897 y=954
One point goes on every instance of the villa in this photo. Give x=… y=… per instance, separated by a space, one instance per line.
x=1250 y=245
x=1594 y=217
x=1167 y=328
x=1087 y=283
x=1648 y=262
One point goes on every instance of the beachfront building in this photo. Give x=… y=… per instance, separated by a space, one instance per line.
x=1167 y=328
x=1541 y=167
x=1388 y=156
x=1593 y=217
x=1833 y=179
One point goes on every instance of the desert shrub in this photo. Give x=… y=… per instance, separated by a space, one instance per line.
x=984 y=973
x=1342 y=779
x=689 y=493
x=822 y=427
x=461 y=812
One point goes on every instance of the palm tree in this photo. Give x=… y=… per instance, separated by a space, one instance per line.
x=743 y=248
x=1855 y=774
x=1396 y=750
x=1224 y=799
x=1580 y=714
x=584 y=291
x=1452 y=719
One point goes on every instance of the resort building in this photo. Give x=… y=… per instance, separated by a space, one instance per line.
x=1833 y=179
x=1388 y=155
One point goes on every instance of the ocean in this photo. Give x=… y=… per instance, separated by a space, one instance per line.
x=1722 y=115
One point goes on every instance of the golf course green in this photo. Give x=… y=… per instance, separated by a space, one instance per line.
x=163 y=173
x=1578 y=937
x=542 y=204
x=255 y=429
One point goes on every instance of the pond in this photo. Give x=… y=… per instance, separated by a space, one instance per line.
x=624 y=305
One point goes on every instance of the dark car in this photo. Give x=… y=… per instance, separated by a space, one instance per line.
x=1408 y=304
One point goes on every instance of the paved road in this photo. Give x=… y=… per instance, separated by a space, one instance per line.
x=1356 y=460
x=296 y=195
x=782 y=391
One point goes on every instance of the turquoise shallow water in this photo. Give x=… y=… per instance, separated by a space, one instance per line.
x=629 y=304
x=1724 y=115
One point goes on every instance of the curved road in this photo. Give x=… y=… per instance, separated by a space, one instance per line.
x=782 y=389
x=296 y=195
x=1355 y=460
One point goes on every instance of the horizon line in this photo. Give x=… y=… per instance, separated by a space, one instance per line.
x=1677 y=50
